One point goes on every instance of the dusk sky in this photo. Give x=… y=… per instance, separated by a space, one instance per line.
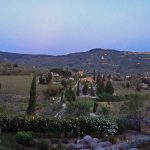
x=66 y=26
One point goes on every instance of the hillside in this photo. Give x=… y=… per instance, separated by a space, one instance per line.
x=103 y=60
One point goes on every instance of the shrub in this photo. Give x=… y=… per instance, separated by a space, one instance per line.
x=24 y=138
x=70 y=95
x=75 y=125
x=105 y=110
x=109 y=88
x=132 y=108
x=52 y=90
x=78 y=108
x=112 y=98
x=42 y=145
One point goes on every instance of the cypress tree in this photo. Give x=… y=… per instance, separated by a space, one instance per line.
x=109 y=88
x=95 y=107
x=99 y=85
x=32 y=100
x=78 y=89
x=94 y=75
x=92 y=91
x=85 y=89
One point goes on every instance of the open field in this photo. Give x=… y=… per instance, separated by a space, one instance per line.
x=15 y=92
x=18 y=85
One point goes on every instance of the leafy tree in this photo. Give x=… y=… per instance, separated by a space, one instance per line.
x=52 y=90
x=49 y=78
x=70 y=95
x=109 y=88
x=100 y=88
x=92 y=91
x=32 y=100
x=85 y=89
x=61 y=72
x=78 y=89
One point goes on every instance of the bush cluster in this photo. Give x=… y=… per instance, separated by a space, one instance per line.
x=112 y=98
x=76 y=126
x=24 y=138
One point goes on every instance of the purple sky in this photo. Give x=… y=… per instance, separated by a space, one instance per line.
x=66 y=26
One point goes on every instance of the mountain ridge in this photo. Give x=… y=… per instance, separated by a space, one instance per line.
x=103 y=60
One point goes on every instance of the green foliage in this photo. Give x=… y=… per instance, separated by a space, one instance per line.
x=7 y=141
x=109 y=88
x=92 y=91
x=61 y=72
x=99 y=85
x=78 y=89
x=74 y=125
x=85 y=89
x=132 y=108
x=70 y=95
x=32 y=100
x=105 y=110
x=104 y=97
x=78 y=108
x=95 y=107
x=42 y=145
x=112 y=98
x=52 y=90
x=24 y=138
x=64 y=83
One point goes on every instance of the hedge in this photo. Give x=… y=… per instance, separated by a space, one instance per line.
x=112 y=98
x=76 y=126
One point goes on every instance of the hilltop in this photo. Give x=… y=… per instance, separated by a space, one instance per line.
x=103 y=60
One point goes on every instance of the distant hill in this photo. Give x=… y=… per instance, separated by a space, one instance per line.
x=102 y=60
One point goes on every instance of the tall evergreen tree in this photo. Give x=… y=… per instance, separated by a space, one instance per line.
x=95 y=107
x=32 y=100
x=99 y=85
x=85 y=89
x=78 y=89
x=109 y=88
x=94 y=75
x=92 y=91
